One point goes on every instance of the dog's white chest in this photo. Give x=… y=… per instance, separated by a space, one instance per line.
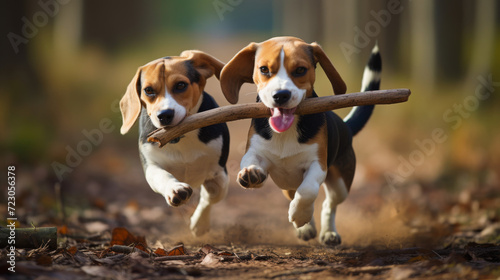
x=190 y=161
x=288 y=158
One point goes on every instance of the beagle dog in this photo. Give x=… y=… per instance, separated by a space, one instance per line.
x=300 y=153
x=163 y=92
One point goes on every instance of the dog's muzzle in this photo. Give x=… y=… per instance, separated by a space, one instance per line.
x=281 y=97
x=166 y=116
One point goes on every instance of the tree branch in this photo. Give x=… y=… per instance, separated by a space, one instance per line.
x=259 y=110
x=29 y=237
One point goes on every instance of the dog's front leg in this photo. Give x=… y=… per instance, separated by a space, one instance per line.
x=302 y=206
x=254 y=170
x=175 y=192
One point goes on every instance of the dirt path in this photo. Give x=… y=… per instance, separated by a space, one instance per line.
x=462 y=242
x=417 y=231
x=474 y=261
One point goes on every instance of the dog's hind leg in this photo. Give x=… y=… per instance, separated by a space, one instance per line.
x=212 y=191
x=336 y=187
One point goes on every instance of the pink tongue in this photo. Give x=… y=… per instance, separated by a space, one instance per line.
x=282 y=119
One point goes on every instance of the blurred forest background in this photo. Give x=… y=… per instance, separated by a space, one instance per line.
x=65 y=64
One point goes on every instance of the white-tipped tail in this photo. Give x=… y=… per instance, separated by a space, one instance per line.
x=360 y=115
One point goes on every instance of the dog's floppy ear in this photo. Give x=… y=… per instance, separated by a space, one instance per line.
x=237 y=71
x=204 y=63
x=130 y=104
x=338 y=84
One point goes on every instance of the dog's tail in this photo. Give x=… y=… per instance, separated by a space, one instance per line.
x=359 y=115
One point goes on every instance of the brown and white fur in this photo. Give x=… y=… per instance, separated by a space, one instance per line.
x=163 y=92
x=300 y=153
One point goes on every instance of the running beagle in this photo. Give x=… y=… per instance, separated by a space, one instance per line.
x=299 y=152
x=163 y=92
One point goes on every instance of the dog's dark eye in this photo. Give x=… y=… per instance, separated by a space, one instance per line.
x=180 y=87
x=149 y=91
x=300 y=71
x=264 y=70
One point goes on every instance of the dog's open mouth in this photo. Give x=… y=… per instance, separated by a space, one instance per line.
x=281 y=119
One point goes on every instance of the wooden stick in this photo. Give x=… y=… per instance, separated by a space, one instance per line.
x=176 y=258
x=29 y=237
x=259 y=110
x=127 y=250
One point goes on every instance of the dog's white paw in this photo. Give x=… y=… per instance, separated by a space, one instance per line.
x=330 y=238
x=306 y=232
x=178 y=194
x=251 y=177
x=300 y=214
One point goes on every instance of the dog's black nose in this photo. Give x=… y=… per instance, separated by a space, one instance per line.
x=282 y=96
x=166 y=116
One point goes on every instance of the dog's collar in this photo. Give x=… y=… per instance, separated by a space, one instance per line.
x=176 y=140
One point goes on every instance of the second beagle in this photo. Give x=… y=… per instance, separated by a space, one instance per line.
x=163 y=92
x=300 y=153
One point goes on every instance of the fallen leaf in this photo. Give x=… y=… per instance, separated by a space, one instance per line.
x=121 y=236
x=210 y=260
x=207 y=249
x=63 y=230
x=160 y=252
x=72 y=250
x=177 y=251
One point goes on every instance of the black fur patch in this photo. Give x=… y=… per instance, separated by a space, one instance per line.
x=310 y=53
x=375 y=62
x=209 y=133
x=262 y=128
x=334 y=124
x=373 y=85
x=192 y=74
x=309 y=125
